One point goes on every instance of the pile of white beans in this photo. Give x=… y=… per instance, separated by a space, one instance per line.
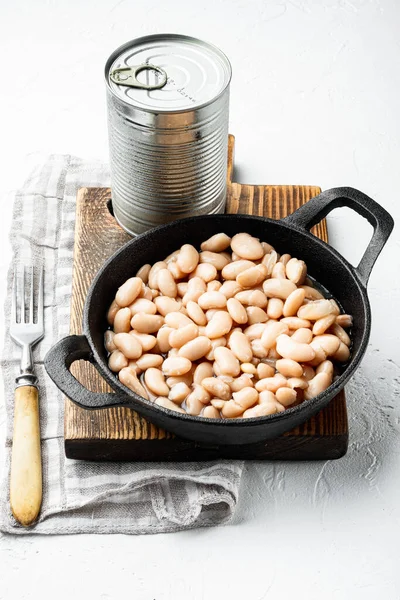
x=235 y=330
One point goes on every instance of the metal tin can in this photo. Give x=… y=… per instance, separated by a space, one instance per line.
x=168 y=110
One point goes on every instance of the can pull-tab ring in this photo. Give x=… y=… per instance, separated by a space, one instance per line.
x=128 y=76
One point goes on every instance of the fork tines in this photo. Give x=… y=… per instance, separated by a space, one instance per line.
x=19 y=291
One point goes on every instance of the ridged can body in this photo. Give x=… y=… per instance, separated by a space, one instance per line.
x=168 y=146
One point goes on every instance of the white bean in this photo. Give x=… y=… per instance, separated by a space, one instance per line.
x=219 y=325
x=217 y=403
x=272 y=330
x=320 y=354
x=241 y=382
x=271 y=383
x=145 y=323
x=261 y=410
x=252 y=298
x=329 y=343
x=232 y=270
x=177 y=320
x=179 y=392
x=210 y=412
x=296 y=271
x=166 y=403
x=270 y=260
x=216 y=243
x=182 y=288
x=342 y=354
x=335 y=306
x=147 y=293
x=195 y=348
x=247 y=246
x=297 y=351
x=147 y=341
x=128 y=377
x=214 y=286
x=314 y=310
x=216 y=343
x=275 y=308
x=216 y=387
x=117 y=361
x=155 y=382
x=203 y=370
x=180 y=337
x=248 y=368
x=219 y=261
x=143 y=305
x=255 y=314
x=128 y=291
x=112 y=311
x=166 y=283
x=122 y=320
x=321 y=325
x=279 y=271
x=205 y=271
x=227 y=361
x=239 y=344
x=153 y=273
x=312 y=293
x=188 y=258
x=163 y=338
x=143 y=273
x=337 y=330
x=297 y=383
x=284 y=259
x=176 y=366
x=129 y=345
x=325 y=367
x=242 y=400
x=212 y=300
x=252 y=277
x=317 y=385
x=345 y=321
x=254 y=332
x=196 y=313
x=286 y=396
x=173 y=381
x=295 y=322
x=302 y=335
x=237 y=311
x=308 y=372
x=165 y=305
x=230 y=288
x=289 y=368
x=258 y=349
x=149 y=360
x=278 y=288
x=293 y=303
x=109 y=341
x=175 y=271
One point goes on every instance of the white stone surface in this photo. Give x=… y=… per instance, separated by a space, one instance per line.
x=315 y=100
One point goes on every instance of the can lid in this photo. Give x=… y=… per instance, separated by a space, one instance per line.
x=196 y=73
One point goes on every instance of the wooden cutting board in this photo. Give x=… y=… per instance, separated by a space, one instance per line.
x=120 y=433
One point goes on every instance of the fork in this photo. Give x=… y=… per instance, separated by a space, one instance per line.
x=26 y=465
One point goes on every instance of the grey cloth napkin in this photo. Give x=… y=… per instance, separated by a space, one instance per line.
x=82 y=497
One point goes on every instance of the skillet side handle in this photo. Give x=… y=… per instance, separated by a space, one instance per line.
x=57 y=363
x=319 y=207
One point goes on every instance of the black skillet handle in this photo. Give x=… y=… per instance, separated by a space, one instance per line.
x=317 y=208
x=57 y=363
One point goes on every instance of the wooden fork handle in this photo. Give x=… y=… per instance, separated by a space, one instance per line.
x=26 y=464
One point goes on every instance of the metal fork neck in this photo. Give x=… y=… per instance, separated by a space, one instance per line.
x=26 y=376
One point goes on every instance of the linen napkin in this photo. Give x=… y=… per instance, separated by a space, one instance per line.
x=86 y=497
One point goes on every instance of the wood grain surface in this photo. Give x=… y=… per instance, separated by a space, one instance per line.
x=120 y=433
